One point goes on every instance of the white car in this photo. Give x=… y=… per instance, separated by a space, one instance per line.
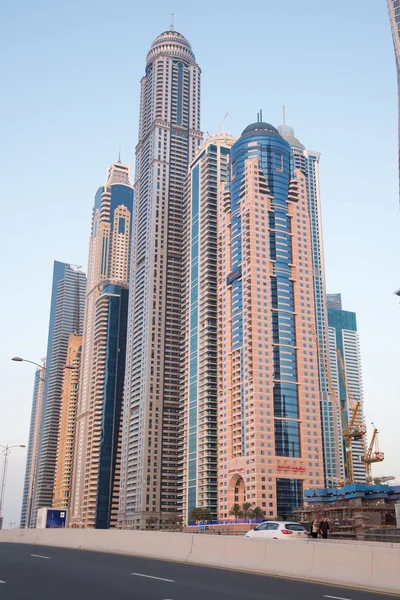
x=278 y=530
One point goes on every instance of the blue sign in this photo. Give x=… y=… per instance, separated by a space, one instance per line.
x=56 y=519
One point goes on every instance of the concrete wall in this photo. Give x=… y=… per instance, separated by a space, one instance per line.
x=373 y=566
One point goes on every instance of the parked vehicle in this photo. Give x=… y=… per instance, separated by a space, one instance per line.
x=279 y=530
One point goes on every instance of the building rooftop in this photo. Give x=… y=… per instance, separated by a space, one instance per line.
x=171 y=42
x=261 y=128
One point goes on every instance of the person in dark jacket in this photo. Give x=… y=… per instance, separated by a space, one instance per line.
x=324 y=528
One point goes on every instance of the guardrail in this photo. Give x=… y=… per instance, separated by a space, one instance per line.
x=366 y=565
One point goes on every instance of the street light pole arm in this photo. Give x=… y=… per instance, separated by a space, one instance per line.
x=18 y=359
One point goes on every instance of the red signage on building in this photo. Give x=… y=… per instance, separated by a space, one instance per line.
x=290 y=468
x=239 y=470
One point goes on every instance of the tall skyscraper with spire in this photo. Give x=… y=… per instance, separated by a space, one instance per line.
x=66 y=318
x=307 y=162
x=169 y=135
x=101 y=387
x=394 y=16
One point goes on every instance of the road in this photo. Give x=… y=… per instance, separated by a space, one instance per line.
x=47 y=573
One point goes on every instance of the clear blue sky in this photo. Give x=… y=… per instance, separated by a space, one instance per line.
x=70 y=98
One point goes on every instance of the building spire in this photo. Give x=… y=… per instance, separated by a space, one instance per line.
x=172 y=22
x=119 y=154
x=284 y=114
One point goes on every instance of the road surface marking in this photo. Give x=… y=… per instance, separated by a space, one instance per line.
x=152 y=577
x=337 y=597
x=2 y=581
x=40 y=556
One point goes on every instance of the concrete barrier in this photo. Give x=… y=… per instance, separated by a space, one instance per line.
x=154 y=544
x=373 y=567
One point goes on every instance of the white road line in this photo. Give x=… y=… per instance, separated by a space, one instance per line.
x=336 y=597
x=152 y=577
x=40 y=556
x=2 y=581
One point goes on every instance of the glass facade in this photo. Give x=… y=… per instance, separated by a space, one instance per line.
x=199 y=391
x=307 y=161
x=66 y=318
x=289 y=495
x=114 y=372
x=33 y=448
x=276 y=162
x=193 y=358
x=344 y=337
x=98 y=431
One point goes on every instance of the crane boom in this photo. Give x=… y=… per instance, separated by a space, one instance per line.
x=373 y=454
x=351 y=430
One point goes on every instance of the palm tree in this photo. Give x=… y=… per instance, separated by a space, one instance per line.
x=246 y=509
x=151 y=522
x=257 y=513
x=200 y=514
x=236 y=511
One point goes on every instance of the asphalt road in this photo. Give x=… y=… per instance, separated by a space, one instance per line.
x=46 y=573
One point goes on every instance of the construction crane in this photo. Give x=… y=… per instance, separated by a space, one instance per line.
x=378 y=480
x=353 y=430
x=349 y=470
x=373 y=454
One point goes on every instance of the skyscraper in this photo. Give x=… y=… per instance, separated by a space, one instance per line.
x=67 y=428
x=199 y=394
x=269 y=432
x=66 y=317
x=169 y=135
x=33 y=447
x=109 y=263
x=394 y=16
x=344 y=337
x=307 y=161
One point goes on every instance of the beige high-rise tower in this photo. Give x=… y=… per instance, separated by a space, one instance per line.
x=169 y=135
x=269 y=422
x=109 y=260
x=67 y=428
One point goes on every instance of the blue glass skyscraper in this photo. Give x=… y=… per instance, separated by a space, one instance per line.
x=343 y=336
x=66 y=317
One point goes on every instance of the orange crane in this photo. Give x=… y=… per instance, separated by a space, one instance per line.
x=353 y=430
x=373 y=454
x=349 y=470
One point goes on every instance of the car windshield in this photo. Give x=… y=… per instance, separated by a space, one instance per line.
x=294 y=527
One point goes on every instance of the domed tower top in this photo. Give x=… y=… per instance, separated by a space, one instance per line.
x=171 y=42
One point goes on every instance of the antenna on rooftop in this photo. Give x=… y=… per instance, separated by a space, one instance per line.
x=284 y=114
x=172 y=22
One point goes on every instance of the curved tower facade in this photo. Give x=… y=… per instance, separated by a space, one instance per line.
x=270 y=445
x=169 y=135
x=109 y=263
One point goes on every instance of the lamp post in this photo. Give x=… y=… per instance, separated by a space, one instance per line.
x=33 y=449
x=6 y=450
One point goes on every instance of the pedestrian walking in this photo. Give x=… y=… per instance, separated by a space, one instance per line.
x=324 y=528
x=314 y=529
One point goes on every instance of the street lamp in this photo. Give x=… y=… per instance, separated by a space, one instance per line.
x=19 y=359
x=36 y=431
x=6 y=451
